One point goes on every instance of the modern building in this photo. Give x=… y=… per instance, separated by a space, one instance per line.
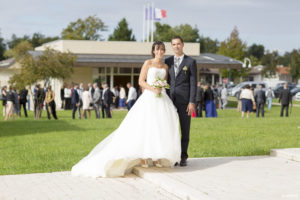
x=118 y=63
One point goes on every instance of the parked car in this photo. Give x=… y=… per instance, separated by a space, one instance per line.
x=278 y=89
x=237 y=88
x=297 y=96
x=295 y=90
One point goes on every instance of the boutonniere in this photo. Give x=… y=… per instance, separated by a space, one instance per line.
x=185 y=69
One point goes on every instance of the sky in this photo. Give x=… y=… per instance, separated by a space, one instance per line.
x=273 y=23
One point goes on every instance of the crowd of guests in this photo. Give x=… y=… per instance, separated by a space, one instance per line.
x=85 y=99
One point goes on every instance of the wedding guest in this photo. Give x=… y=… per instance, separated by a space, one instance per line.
x=285 y=98
x=107 y=98
x=40 y=101
x=199 y=100
x=131 y=96
x=220 y=103
x=10 y=98
x=62 y=96
x=117 y=96
x=68 y=94
x=210 y=107
x=91 y=89
x=96 y=100
x=239 y=104
x=4 y=99
x=260 y=100
x=122 y=96
x=270 y=95
x=50 y=103
x=215 y=92
x=17 y=108
x=247 y=100
x=23 y=100
x=87 y=103
x=224 y=97
x=75 y=101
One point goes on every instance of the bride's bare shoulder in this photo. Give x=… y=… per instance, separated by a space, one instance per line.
x=166 y=67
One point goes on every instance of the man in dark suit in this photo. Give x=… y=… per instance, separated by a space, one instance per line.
x=75 y=101
x=260 y=100
x=23 y=100
x=199 y=100
x=107 y=100
x=183 y=87
x=285 y=98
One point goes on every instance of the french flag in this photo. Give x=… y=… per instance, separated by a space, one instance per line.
x=159 y=14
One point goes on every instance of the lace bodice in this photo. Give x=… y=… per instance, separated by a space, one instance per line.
x=153 y=73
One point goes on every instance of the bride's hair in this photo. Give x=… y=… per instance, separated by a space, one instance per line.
x=160 y=45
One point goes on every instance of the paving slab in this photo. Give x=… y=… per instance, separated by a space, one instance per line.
x=288 y=153
x=62 y=186
x=229 y=178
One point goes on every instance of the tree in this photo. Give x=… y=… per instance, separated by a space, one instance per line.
x=295 y=64
x=122 y=32
x=84 y=29
x=285 y=60
x=165 y=32
x=235 y=48
x=51 y=64
x=38 y=39
x=270 y=62
x=256 y=51
x=207 y=45
x=2 y=48
x=14 y=41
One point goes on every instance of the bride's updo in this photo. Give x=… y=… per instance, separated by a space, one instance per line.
x=160 y=45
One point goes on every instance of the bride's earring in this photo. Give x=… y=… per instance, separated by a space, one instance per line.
x=144 y=164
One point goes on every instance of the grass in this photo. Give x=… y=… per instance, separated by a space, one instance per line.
x=31 y=146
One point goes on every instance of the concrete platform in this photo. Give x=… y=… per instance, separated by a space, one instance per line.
x=290 y=153
x=232 y=178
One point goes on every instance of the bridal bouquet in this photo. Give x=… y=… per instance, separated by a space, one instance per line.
x=160 y=83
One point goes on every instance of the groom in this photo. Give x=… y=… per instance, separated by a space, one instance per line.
x=183 y=86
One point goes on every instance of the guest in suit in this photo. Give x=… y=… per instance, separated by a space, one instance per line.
x=260 y=100
x=285 y=98
x=23 y=100
x=4 y=99
x=50 y=103
x=210 y=107
x=62 y=96
x=17 y=107
x=96 y=100
x=107 y=100
x=132 y=95
x=199 y=100
x=75 y=101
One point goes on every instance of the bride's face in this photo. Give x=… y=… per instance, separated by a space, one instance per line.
x=159 y=51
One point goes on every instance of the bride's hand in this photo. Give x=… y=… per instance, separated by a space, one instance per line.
x=157 y=90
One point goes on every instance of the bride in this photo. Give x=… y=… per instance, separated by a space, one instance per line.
x=150 y=130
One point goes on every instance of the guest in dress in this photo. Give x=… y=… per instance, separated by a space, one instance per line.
x=4 y=99
x=122 y=97
x=9 y=104
x=87 y=103
x=17 y=107
x=224 y=97
x=210 y=107
x=247 y=100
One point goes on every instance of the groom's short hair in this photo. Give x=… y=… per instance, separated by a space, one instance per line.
x=177 y=37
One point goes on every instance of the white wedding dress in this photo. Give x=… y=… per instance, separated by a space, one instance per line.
x=150 y=130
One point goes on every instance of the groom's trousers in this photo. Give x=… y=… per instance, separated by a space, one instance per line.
x=185 y=123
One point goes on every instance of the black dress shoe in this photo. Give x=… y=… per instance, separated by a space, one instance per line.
x=183 y=163
x=176 y=164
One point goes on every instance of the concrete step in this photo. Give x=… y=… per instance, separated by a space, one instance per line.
x=289 y=153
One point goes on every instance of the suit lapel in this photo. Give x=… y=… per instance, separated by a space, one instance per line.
x=182 y=64
x=172 y=70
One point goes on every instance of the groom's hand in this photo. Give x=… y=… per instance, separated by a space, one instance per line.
x=190 y=109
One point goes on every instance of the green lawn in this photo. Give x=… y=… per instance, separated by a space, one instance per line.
x=28 y=145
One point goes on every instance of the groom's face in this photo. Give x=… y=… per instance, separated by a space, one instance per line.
x=177 y=46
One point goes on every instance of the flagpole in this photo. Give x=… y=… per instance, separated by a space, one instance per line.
x=152 y=20
x=148 y=21
x=144 y=15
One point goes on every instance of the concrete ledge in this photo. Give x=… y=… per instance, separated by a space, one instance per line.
x=169 y=183
x=290 y=153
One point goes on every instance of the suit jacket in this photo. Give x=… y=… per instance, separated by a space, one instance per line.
x=108 y=97
x=97 y=96
x=23 y=96
x=75 y=97
x=285 y=97
x=183 y=87
x=199 y=94
x=260 y=97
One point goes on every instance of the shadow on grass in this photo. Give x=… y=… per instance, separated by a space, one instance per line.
x=26 y=127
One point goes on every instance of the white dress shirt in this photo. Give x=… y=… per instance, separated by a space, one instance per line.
x=132 y=94
x=122 y=93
